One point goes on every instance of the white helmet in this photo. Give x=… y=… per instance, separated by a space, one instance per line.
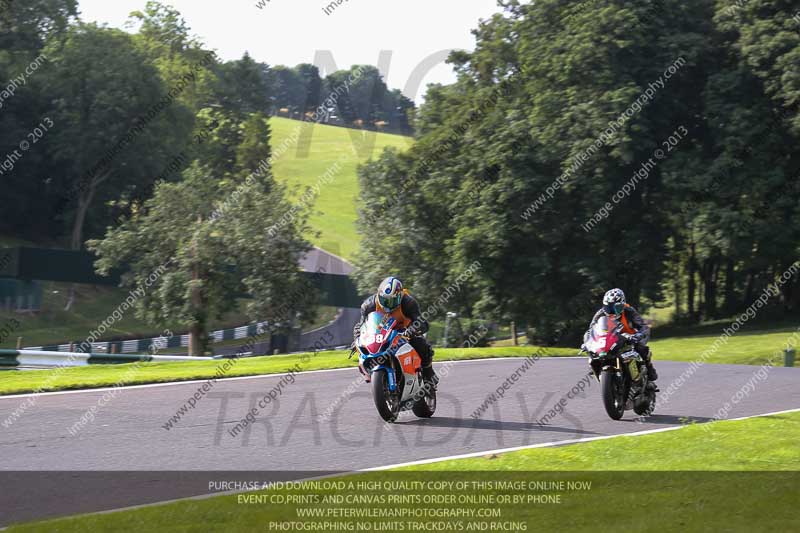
x=614 y=302
x=390 y=293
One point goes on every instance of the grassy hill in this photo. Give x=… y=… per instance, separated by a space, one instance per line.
x=319 y=148
x=300 y=166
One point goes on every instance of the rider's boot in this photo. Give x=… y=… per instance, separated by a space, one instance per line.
x=429 y=376
x=652 y=375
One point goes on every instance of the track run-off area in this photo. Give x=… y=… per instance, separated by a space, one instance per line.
x=324 y=422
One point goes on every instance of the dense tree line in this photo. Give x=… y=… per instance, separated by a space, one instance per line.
x=148 y=149
x=109 y=113
x=368 y=103
x=694 y=106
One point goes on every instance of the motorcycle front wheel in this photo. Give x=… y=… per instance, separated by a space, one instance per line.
x=386 y=401
x=613 y=393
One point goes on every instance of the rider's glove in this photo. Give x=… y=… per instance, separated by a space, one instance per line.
x=633 y=339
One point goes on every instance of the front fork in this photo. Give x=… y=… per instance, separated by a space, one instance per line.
x=391 y=374
x=597 y=369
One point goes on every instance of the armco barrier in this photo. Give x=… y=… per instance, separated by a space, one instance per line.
x=38 y=358
x=143 y=345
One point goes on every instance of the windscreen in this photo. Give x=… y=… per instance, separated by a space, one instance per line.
x=374 y=331
x=602 y=326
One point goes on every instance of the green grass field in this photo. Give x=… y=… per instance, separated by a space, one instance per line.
x=731 y=476
x=107 y=375
x=752 y=347
x=756 y=444
x=335 y=216
x=745 y=348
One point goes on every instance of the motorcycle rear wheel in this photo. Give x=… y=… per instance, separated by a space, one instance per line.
x=386 y=401
x=646 y=405
x=613 y=394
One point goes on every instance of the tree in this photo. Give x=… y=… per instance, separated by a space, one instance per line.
x=289 y=89
x=243 y=88
x=165 y=38
x=312 y=86
x=766 y=36
x=524 y=113
x=207 y=240
x=115 y=126
x=29 y=190
x=26 y=25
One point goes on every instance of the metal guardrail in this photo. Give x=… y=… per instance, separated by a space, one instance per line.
x=39 y=358
x=143 y=345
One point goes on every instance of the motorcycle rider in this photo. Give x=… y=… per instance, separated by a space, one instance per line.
x=633 y=326
x=397 y=302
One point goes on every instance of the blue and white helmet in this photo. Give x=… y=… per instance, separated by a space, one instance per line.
x=390 y=293
x=614 y=302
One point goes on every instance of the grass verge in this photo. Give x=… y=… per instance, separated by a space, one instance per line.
x=757 y=347
x=745 y=348
x=108 y=375
x=749 y=347
x=733 y=476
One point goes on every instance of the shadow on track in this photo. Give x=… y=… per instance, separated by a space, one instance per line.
x=674 y=420
x=489 y=425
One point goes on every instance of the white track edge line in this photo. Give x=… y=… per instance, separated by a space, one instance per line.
x=400 y=465
x=556 y=443
x=257 y=376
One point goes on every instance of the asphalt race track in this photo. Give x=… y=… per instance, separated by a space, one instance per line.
x=294 y=436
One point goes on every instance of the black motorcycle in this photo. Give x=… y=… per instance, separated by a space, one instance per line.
x=621 y=371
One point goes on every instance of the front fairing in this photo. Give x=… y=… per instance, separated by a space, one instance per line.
x=378 y=341
x=378 y=336
x=604 y=337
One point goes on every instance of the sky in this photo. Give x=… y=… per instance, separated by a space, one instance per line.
x=406 y=39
